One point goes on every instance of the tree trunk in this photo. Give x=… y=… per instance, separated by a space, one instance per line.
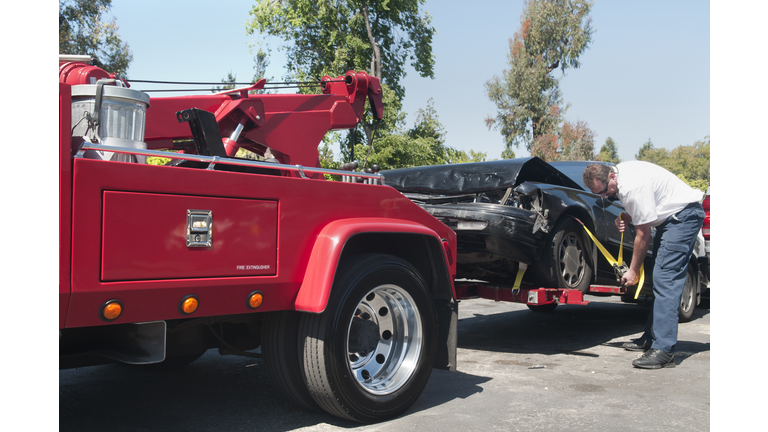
x=376 y=57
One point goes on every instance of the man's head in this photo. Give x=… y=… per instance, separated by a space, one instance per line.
x=601 y=180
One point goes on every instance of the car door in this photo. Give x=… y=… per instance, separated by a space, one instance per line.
x=613 y=238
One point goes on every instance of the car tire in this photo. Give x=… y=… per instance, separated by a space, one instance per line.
x=565 y=261
x=368 y=357
x=688 y=299
x=282 y=358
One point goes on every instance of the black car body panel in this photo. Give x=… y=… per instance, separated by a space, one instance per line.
x=503 y=212
x=470 y=178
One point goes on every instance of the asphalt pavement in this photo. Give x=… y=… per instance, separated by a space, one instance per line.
x=518 y=370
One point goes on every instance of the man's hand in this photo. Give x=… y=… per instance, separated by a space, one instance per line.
x=622 y=222
x=630 y=278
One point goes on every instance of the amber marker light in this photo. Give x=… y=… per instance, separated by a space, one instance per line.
x=111 y=310
x=255 y=299
x=188 y=304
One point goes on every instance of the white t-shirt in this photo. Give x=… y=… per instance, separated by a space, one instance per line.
x=651 y=194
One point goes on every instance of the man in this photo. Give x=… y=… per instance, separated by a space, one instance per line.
x=653 y=196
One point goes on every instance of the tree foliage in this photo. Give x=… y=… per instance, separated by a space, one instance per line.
x=609 y=152
x=423 y=144
x=326 y=37
x=689 y=163
x=574 y=141
x=227 y=83
x=82 y=31
x=552 y=36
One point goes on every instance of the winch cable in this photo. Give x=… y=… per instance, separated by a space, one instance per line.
x=267 y=86
x=370 y=143
x=616 y=263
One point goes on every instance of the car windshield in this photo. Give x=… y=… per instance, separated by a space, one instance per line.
x=574 y=170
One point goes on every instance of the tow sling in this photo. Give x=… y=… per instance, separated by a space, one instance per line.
x=619 y=267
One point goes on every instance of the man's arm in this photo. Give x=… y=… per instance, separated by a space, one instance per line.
x=642 y=241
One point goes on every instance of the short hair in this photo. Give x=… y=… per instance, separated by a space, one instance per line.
x=595 y=172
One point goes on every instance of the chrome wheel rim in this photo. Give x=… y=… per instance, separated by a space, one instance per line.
x=384 y=340
x=572 y=260
x=686 y=300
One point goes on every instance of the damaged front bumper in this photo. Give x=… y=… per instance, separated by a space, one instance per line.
x=492 y=231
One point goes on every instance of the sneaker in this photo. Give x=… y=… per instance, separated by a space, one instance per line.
x=655 y=359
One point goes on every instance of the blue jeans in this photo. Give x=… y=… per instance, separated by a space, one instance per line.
x=672 y=250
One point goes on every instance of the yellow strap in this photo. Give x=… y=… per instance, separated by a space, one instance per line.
x=519 y=278
x=620 y=261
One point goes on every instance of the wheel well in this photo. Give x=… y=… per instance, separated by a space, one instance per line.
x=422 y=251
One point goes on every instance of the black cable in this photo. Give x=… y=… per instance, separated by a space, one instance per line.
x=219 y=83
x=370 y=143
x=207 y=90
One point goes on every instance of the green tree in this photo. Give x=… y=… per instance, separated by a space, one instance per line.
x=460 y=156
x=228 y=83
x=324 y=37
x=508 y=153
x=609 y=152
x=651 y=154
x=552 y=36
x=82 y=31
x=327 y=37
x=423 y=144
x=689 y=163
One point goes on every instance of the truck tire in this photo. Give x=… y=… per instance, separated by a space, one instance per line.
x=280 y=353
x=565 y=262
x=368 y=357
x=688 y=299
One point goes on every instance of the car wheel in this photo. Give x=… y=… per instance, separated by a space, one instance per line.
x=688 y=299
x=564 y=262
x=280 y=353
x=368 y=357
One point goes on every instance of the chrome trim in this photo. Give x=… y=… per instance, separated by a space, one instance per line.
x=213 y=160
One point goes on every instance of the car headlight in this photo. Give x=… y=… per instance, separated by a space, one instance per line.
x=471 y=225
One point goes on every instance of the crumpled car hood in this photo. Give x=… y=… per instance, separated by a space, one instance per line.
x=475 y=177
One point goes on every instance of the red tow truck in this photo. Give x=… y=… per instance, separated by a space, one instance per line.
x=343 y=288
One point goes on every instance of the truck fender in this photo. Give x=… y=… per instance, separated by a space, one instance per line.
x=326 y=252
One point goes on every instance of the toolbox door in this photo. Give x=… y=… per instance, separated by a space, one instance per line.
x=148 y=236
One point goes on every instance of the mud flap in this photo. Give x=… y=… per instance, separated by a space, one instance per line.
x=140 y=343
x=447 y=320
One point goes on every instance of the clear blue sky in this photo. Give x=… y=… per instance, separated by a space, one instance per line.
x=646 y=74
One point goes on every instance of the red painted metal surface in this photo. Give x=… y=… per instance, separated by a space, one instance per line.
x=607 y=289
x=306 y=207
x=532 y=296
x=65 y=200
x=145 y=237
x=126 y=219
x=313 y=294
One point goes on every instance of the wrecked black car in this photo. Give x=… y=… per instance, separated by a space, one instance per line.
x=524 y=210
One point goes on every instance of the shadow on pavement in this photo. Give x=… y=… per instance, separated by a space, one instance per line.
x=569 y=329
x=216 y=393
